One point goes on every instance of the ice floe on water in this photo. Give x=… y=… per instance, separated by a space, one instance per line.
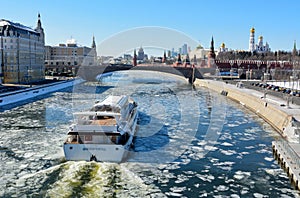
x=209 y=156
x=241 y=175
x=269 y=159
x=226 y=144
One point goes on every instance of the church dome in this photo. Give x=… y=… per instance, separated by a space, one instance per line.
x=261 y=37
x=223 y=45
x=252 y=30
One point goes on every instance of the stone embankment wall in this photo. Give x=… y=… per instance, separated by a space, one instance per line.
x=278 y=119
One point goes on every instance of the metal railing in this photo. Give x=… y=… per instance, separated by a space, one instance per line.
x=292 y=154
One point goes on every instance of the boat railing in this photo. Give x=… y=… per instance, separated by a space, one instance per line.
x=95 y=128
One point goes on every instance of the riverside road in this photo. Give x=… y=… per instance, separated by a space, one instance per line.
x=279 y=94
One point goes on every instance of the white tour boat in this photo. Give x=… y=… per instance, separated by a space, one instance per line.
x=104 y=133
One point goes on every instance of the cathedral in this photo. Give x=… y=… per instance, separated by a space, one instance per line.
x=260 y=47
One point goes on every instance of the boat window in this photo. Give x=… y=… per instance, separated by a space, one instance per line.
x=104 y=117
x=106 y=108
x=81 y=137
x=113 y=139
x=88 y=138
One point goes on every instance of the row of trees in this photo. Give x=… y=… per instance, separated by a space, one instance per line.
x=266 y=56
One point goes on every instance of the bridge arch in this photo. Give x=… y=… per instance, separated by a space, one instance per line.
x=91 y=72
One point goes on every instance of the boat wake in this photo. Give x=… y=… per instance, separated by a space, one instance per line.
x=87 y=179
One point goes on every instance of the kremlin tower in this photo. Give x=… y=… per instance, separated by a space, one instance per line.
x=211 y=55
x=134 y=58
x=94 y=50
x=251 y=40
x=295 y=52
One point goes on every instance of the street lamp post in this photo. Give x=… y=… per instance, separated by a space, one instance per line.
x=273 y=71
x=282 y=67
x=267 y=74
x=217 y=72
x=240 y=71
x=248 y=73
x=258 y=63
x=231 y=62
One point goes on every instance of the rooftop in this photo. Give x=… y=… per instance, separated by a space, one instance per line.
x=4 y=22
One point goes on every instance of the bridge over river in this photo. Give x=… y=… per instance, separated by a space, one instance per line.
x=91 y=72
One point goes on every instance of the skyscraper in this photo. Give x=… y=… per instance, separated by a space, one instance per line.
x=184 y=49
x=141 y=54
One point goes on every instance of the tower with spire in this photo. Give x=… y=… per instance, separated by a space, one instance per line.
x=252 y=40
x=94 y=50
x=295 y=52
x=93 y=43
x=134 y=58
x=40 y=29
x=165 y=57
x=211 y=55
x=212 y=49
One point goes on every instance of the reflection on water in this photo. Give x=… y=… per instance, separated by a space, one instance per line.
x=228 y=154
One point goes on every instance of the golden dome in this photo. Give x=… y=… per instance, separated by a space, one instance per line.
x=223 y=45
x=260 y=37
x=252 y=30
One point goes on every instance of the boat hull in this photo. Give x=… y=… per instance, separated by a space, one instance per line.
x=96 y=152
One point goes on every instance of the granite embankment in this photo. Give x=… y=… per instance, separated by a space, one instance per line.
x=272 y=110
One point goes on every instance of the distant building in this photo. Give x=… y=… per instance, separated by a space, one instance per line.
x=173 y=53
x=180 y=50
x=127 y=57
x=141 y=54
x=184 y=49
x=223 y=48
x=169 y=53
x=260 y=47
x=70 y=54
x=22 y=52
x=105 y=59
x=199 y=52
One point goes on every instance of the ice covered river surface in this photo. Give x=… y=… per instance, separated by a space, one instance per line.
x=190 y=143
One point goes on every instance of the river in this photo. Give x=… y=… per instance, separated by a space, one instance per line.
x=190 y=143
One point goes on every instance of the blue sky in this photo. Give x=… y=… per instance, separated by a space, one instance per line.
x=228 y=21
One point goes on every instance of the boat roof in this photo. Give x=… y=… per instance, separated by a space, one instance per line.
x=92 y=113
x=116 y=101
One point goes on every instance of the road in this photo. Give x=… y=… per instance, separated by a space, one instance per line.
x=247 y=84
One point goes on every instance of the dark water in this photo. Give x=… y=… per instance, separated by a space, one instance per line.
x=190 y=143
